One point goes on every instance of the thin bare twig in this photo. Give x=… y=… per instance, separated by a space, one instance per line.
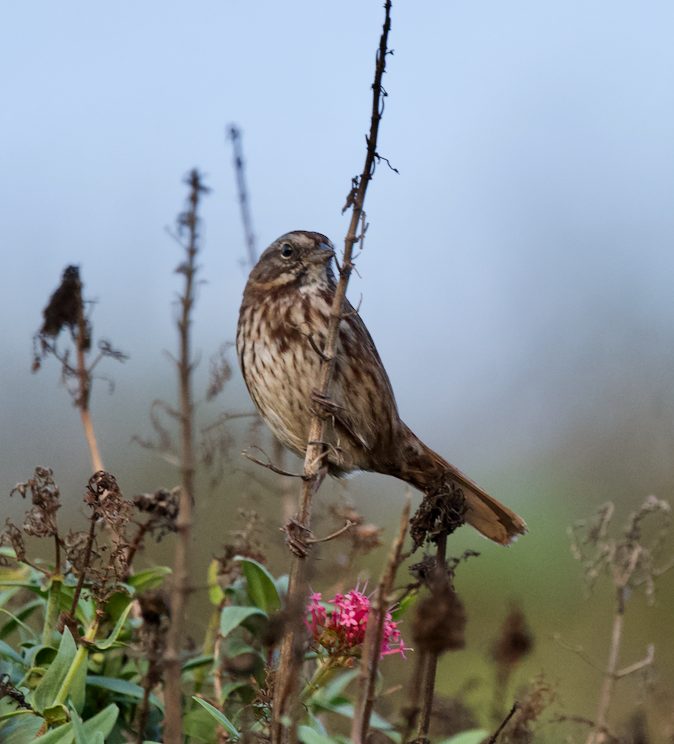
x=497 y=733
x=374 y=635
x=270 y=465
x=290 y=658
x=432 y=660
x=234 y=133
x=188 y=221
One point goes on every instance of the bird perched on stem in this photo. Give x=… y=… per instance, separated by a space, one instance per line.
x=283 y=327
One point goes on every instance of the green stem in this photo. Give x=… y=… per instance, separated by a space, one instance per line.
x=324 y=674
x=80 y=658
x=53 y=610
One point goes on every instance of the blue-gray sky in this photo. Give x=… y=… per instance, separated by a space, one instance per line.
x=508 y=268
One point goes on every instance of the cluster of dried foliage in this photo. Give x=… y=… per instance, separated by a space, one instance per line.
x=110 y=661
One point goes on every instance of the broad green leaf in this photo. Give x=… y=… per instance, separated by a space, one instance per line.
x=55 y=715
x=474 y=736
x=346 y=709
x=262 y=591
x=77 y=727
x=97 y=738
x=102 y=722
x=17 y=619
x=198 y=725
x=215 y=593
x=229 y=687
x=219 y=717
x=231 y=617
x=122 y=687
x=338 y=685
x=7 y=594
x=309 y=736
x=46 y=691
x=107 y=643
x=7 y=650
x=77 y=691
x=21 y=731
x=198 y=662
x=149 y=579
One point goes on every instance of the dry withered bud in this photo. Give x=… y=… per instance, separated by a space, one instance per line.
x=12 y=536
x=440 y=513
x=104 y=496
x=439 y=621
x=63 y=304
x=162 y=506
x=40 y=521
x=7 y=689
x=515 y=641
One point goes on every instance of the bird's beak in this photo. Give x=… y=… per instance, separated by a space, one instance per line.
x=322 y=255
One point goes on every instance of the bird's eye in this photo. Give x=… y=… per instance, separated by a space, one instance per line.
x=286 y=250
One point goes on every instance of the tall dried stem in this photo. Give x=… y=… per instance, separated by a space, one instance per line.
x=181 y=589
x=291 y=656
x=84 y=380
x=375 y=634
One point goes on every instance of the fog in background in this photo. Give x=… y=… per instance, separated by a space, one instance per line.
x=517 y=272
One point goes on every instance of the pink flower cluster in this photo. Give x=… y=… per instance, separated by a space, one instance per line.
x=341 y=631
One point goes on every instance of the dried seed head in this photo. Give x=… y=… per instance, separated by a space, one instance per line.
x=440 y=621
x=515 y=641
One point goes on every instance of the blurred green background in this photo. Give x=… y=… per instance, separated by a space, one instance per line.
x=516 y=276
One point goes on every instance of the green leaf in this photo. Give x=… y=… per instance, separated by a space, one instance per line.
x=215 y=593
x=338 y=685
x=77 y=689
x=474 y=736
x=262 y=590
x=77 y=727
x=149 y=579
x=46 y=691
x=219 y=717
x=16 y=620
x=198 y=662
x=22 y=731
x=309 y=736
x=346 y=709
x=231 y=617
x=107 y=643
x=55 y=715
x=404 y=604
x=122 y=687
x=7 y=650
x=102 y=722
x=198 y=725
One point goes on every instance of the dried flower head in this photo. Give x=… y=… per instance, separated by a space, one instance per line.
x=341 y=631
x=440 y=621
x=515 y=641
x=40 y=521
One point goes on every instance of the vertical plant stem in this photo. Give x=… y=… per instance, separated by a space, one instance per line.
x=80 y=658
x=173 y=728
x=412 y=710
x=597 y=737
x=84 y=378
x=432 y=661
x=53 y=609
x=290 y=657
x=374 y=636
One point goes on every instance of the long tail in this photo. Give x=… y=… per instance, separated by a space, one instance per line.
x=425 y=470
